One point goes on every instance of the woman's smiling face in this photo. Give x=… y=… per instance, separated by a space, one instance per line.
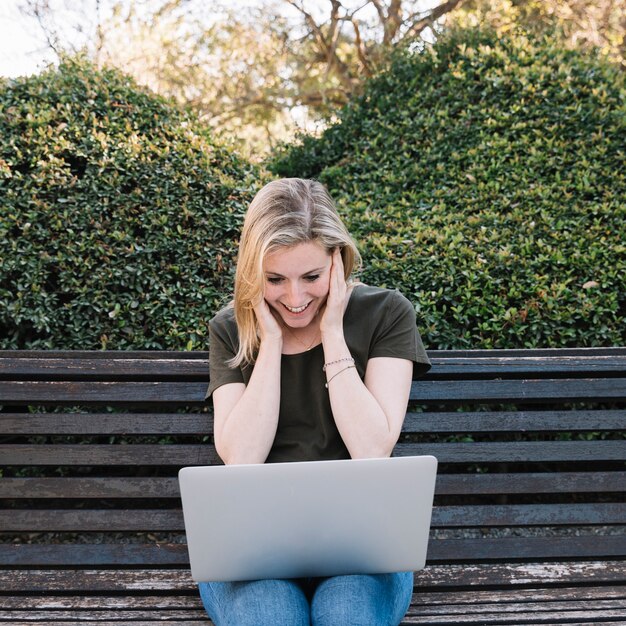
x=297 y=282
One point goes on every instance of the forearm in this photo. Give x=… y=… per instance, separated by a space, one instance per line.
x=248 y=430
x=361 y=421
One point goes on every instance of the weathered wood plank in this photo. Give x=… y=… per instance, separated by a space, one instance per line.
x=527 y=548
x=106 y=423
x=192 y=393
x=521 y=364
x=32 y=363
x=527 y=391
x=104 y=488
x=439 y=550
x=532 y=483
x=117 y=617
x=198 y=454
x=116 y=620
x=594 y=606
x=447 y=484
x=522 y=614
x=460 y=600
x=118 y=366
x=93 y=555
x=532 y=594
x=16 y=520
x=530 y=618
x=202 y=423
x=503 y=363
x=528 y=515
x=434 y=577
x=103 y=602
x=515 y=421
x=115 y=454
x=517 y=451
x=102 y=393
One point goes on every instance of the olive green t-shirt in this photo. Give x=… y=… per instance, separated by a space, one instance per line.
x=377 y=323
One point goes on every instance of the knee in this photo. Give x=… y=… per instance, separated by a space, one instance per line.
x=380 y=600
x=262 y=602
x=345 y=600
x=276 y=602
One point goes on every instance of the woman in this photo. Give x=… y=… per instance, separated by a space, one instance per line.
x=306 y=364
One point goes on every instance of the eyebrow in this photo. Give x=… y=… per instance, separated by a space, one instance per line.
x=313 y=271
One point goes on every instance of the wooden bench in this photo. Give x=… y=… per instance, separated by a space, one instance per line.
x=529 y=525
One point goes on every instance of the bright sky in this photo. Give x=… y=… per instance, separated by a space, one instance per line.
x=22 y=48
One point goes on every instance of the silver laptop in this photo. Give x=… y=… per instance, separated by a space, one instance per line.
x=321 y=518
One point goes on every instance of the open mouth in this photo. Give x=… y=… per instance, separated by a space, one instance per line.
x=296 y=310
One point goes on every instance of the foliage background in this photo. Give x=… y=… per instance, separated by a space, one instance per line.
x=486 y=179
x=116 y=211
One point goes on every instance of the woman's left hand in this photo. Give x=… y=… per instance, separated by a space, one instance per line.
x=332 y=318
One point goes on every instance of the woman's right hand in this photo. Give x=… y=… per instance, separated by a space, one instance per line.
x=269 y=328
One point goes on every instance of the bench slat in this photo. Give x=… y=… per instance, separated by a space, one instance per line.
x=530 y=618
x=517 y=451
x=115 y=621
x=130 y=365
x=531 y=390
x=528 y=515
x=103 y=488
x=202 y=423
x=509 y=548
x=133 y=617
x=514 y=421
x=16 y=520
x=97 y=367
x=192 y=393
x=447 y=484
x=433 y=577
x=107 y=393
x=161 y=601
x=106 y=423
x=439 y=550
x=198 y=454
x=459 y=602
x=485 y=596
x=559 y=482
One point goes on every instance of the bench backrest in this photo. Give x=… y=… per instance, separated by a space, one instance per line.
x=91 y=443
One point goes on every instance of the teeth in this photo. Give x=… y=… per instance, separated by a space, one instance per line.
x=297 y=310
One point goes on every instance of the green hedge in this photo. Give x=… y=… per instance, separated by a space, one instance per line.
x=118 y=215
x=486 y=179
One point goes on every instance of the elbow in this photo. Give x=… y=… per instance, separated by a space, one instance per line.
x=239 y=456
x=380 y=449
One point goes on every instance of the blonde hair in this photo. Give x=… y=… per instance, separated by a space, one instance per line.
x=283 y=214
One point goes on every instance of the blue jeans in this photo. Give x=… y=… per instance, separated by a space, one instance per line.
x=360 y=600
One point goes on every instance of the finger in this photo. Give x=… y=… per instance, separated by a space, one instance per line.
x=339 y=269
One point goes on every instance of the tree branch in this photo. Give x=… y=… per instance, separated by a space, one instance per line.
x=328 y=48
x=424 y=22
x=360 y=48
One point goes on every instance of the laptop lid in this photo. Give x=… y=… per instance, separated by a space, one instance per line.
x=320 y=518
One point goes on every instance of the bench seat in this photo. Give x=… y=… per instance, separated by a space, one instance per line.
x=529 y=524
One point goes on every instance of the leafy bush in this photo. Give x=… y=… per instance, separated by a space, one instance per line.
x=486 y=179
x=118 y=215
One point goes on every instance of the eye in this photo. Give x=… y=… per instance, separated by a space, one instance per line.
x=274 y=280
x=311 y=277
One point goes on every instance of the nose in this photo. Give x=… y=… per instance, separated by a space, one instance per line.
x=294 y=292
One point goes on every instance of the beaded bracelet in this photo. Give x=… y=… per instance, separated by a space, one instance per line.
x=348 y=358
x=339 y=372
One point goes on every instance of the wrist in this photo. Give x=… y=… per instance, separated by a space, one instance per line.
x=332 y=336
x=271 y=343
